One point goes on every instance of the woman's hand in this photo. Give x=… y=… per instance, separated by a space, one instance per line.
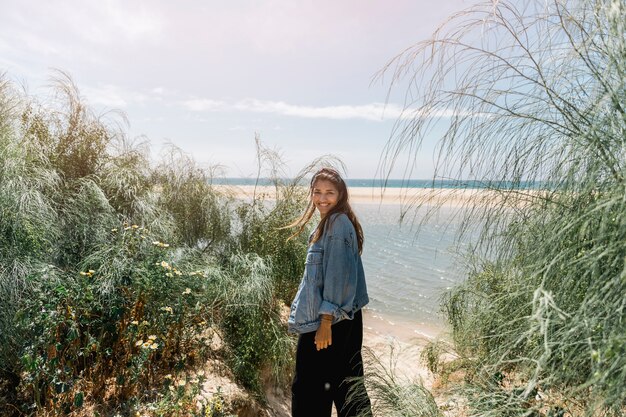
x=324 y=333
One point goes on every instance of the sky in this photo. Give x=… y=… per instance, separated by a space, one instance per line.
x=207 y=76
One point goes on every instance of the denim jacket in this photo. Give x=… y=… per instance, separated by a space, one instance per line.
x=333 y=281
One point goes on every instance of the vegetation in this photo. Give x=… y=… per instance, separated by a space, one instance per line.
x=118 y=274
x=390 y=394
x=532 y=93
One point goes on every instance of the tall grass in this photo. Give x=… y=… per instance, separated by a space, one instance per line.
x=112 y=268
x=532 y=92
x=391 y=394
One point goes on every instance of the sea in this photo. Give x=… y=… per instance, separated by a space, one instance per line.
x=409 y=265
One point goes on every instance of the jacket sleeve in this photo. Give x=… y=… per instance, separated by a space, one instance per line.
x=340 y=269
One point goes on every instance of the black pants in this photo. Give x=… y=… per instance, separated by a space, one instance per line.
x=320 y=377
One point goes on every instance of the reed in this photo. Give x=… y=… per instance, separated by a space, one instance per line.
x=531 y=92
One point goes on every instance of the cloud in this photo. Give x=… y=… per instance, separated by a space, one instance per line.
x=114 y=96
x=372 y=111
x=118 y=97
x=202 y=105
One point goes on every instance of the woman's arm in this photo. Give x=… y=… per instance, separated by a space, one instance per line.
x=340 y=269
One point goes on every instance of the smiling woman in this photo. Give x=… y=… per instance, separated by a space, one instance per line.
x=326 y=311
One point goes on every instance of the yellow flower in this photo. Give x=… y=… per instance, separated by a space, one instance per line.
x=168 y=376
x=165 y=265
x=177 y=272
x=113 y=230
x=139 y=342
x=134 y=226
x=145 y=323
x=152 y=337
x=181 y=383
x=134 y=323
x=146 y=345
x=168 y=309
x=187 y=291
x=154 y=346
x=88 y=273
x=169 y=275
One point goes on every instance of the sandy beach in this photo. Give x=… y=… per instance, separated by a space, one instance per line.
x=382 y=335
x=444 y=197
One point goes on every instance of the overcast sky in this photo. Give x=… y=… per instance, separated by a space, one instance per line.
x=207 y=75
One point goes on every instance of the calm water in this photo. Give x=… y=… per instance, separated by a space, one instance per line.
x=407 y=271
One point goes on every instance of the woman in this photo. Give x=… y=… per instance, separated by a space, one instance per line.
x=326 y=311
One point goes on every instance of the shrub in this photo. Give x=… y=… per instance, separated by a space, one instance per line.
x=112 y=329
x=111 y=271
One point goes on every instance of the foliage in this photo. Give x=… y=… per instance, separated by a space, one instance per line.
x=251 y=323
x=115 y=274
x=196 y=208
x=530 y=99
x=127 y=317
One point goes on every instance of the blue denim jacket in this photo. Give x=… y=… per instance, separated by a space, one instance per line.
x=333 y=282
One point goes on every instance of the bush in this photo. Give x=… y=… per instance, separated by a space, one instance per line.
x=251 y=324
x=112 y=271
x=112 y=329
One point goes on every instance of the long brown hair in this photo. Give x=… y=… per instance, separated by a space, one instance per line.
x=342 y=206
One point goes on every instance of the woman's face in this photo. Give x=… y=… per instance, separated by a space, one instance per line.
x=325 y=196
